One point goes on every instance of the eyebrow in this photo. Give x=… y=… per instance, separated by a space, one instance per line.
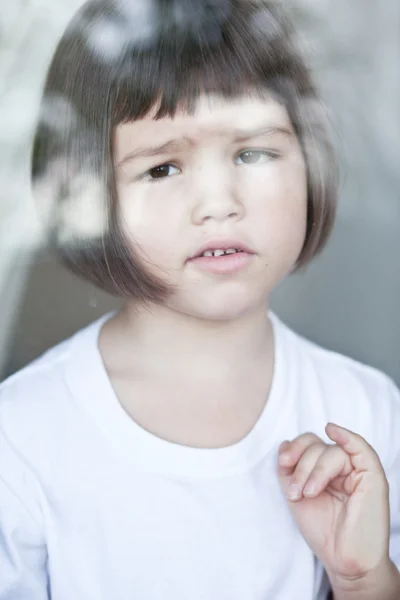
x=171 y=146
x=240 y=135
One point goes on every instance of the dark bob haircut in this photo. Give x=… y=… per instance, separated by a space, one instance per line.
x=119 y=59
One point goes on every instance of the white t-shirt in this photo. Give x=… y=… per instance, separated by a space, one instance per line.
x=94 y=507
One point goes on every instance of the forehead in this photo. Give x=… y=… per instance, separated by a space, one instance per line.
x=212 y=117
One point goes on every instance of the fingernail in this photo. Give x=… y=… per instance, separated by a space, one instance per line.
x=310 y=489
x=293 y=492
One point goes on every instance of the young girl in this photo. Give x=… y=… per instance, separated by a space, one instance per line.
x=191 y=445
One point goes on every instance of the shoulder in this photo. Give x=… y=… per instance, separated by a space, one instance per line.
x=37 y=403
x=25 y=395
x=338 y=388
x=332 y=369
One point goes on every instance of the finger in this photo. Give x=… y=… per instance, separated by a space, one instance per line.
x=290 y=452
x=285 y=467
x=363 y=456
x=334 y=462
x=293 y=485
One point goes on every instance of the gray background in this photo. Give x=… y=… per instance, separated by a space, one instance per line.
x=347 y=300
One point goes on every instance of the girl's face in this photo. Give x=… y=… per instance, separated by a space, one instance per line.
x=230 y=176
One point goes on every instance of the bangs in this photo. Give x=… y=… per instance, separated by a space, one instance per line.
x=155 y=80
x=222 y=56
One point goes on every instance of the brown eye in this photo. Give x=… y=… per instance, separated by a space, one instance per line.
x=162 y=171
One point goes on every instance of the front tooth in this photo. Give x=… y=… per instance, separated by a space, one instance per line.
x=230 y=251
x=208 y=253
x=219 y=252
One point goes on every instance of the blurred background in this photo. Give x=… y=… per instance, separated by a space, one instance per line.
x=347 y=300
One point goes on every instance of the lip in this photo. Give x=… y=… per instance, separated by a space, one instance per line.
x=221 y=245
x=223 y=265
x=227 y=264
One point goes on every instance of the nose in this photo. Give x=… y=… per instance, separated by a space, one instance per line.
x=215 y=196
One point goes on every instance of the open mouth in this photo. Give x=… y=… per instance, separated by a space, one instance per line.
x=227 y=260
x=218 y=252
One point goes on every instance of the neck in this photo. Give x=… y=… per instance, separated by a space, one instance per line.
x=161 y=340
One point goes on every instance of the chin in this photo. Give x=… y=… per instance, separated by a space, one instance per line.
x=222 y=307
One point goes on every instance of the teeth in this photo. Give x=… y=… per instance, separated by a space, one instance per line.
x=220 y=252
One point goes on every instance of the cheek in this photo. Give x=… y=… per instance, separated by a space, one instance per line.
x=279 y=201
x=149 y=221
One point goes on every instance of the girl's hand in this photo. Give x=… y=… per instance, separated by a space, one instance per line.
x=339 y=497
